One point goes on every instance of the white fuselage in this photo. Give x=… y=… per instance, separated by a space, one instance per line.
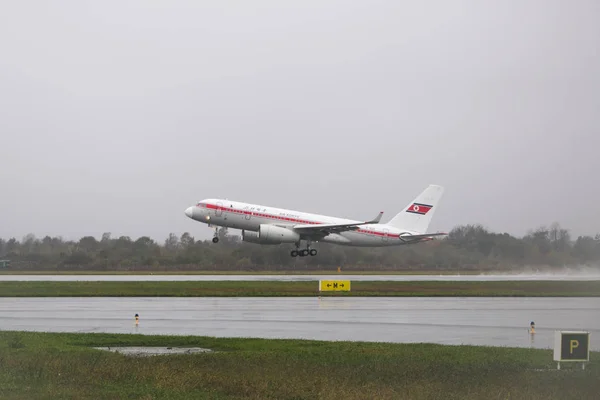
x=249 y=217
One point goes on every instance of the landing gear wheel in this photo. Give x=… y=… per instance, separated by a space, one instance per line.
x=216 y=237
x=313 y=252
x=303 y=253
x=294 y=253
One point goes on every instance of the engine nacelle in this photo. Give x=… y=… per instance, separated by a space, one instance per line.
x=270 y=234
x=277 y=234
x=250 y=237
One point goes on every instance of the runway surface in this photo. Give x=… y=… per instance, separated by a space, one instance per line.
x=476 y=321
x=402 y=278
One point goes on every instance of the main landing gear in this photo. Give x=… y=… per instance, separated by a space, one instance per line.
x=303 y=252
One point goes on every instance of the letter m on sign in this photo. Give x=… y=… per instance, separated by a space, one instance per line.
x=335 y=285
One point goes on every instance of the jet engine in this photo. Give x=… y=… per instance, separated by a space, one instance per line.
x=271 y=234
x=251 y=237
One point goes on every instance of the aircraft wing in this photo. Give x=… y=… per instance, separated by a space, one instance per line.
x=413 y=238
x=333 y=228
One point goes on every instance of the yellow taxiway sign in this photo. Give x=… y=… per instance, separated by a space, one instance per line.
x=334 y=286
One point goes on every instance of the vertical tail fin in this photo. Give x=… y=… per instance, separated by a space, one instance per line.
x=417 y=215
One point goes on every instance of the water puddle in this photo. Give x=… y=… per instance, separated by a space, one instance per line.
x=142 y=351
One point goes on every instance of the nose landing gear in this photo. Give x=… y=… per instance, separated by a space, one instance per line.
x=215 y=238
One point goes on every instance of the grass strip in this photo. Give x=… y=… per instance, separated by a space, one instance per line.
x=55 y=365
x=305 y=288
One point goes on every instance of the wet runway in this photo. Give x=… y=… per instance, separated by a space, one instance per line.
x=477 y=321
x=592 y=276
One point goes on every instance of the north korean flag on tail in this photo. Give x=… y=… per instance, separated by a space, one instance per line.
x=419 y=208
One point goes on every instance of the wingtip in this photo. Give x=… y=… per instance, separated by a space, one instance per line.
x=378 y=218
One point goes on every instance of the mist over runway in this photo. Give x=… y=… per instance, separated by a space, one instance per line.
x=490 y=321
x=573 y=276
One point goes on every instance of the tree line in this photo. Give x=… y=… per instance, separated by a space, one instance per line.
x=467 y=247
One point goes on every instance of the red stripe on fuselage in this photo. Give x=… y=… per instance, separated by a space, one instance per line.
x=287 y=219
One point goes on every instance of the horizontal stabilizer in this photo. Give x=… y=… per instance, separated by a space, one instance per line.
x=407 y=237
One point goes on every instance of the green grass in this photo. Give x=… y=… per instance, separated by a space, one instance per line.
x=308 y=288
x=60 y=366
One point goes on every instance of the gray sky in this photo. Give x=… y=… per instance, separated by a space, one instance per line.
x=117 y=115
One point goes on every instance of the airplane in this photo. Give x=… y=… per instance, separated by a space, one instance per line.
x=273 y=226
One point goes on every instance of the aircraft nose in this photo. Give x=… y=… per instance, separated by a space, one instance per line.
x=189 y=212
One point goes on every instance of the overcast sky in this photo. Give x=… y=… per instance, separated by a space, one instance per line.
x=115 y=116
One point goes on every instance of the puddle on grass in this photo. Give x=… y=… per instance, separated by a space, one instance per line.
x=142 y=351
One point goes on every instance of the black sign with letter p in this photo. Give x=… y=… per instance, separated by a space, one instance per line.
x=572 y=346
